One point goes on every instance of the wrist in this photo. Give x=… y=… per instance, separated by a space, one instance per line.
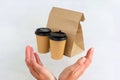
x=54 y=78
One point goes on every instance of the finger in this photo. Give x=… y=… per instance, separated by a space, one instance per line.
x=79 y=63
x=32 y=65
x=81 y=60
x=89 y=56
x=34 y=73
x=38 y=59
x=32 y=58
x=80 y=67
x=79 y=71
x=31 y=54
x=33 y=62
x=28 y=57
x=89 y=53
x=27 y=52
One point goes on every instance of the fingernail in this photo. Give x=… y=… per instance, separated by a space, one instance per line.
x=92 y=49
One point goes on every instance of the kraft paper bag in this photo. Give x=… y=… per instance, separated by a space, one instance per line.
x=69 y=22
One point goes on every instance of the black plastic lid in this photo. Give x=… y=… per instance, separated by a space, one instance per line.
x=57 y=36
x=43 y=31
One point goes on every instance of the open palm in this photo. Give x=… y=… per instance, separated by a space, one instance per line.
x=74 y=71
x=35 y=66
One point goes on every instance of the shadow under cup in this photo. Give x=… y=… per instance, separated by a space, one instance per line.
x=57 y=44
x=42 y=39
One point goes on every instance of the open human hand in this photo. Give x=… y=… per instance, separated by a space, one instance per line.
x=74 y=71
x=35 y=65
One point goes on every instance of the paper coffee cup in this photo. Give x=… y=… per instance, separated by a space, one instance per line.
x=42 y=39
x=57 y=44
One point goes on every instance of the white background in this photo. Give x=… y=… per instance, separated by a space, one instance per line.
x=101 y=30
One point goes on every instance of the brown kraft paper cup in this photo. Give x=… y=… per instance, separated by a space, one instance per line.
x=57 y=44
x=42 y=39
